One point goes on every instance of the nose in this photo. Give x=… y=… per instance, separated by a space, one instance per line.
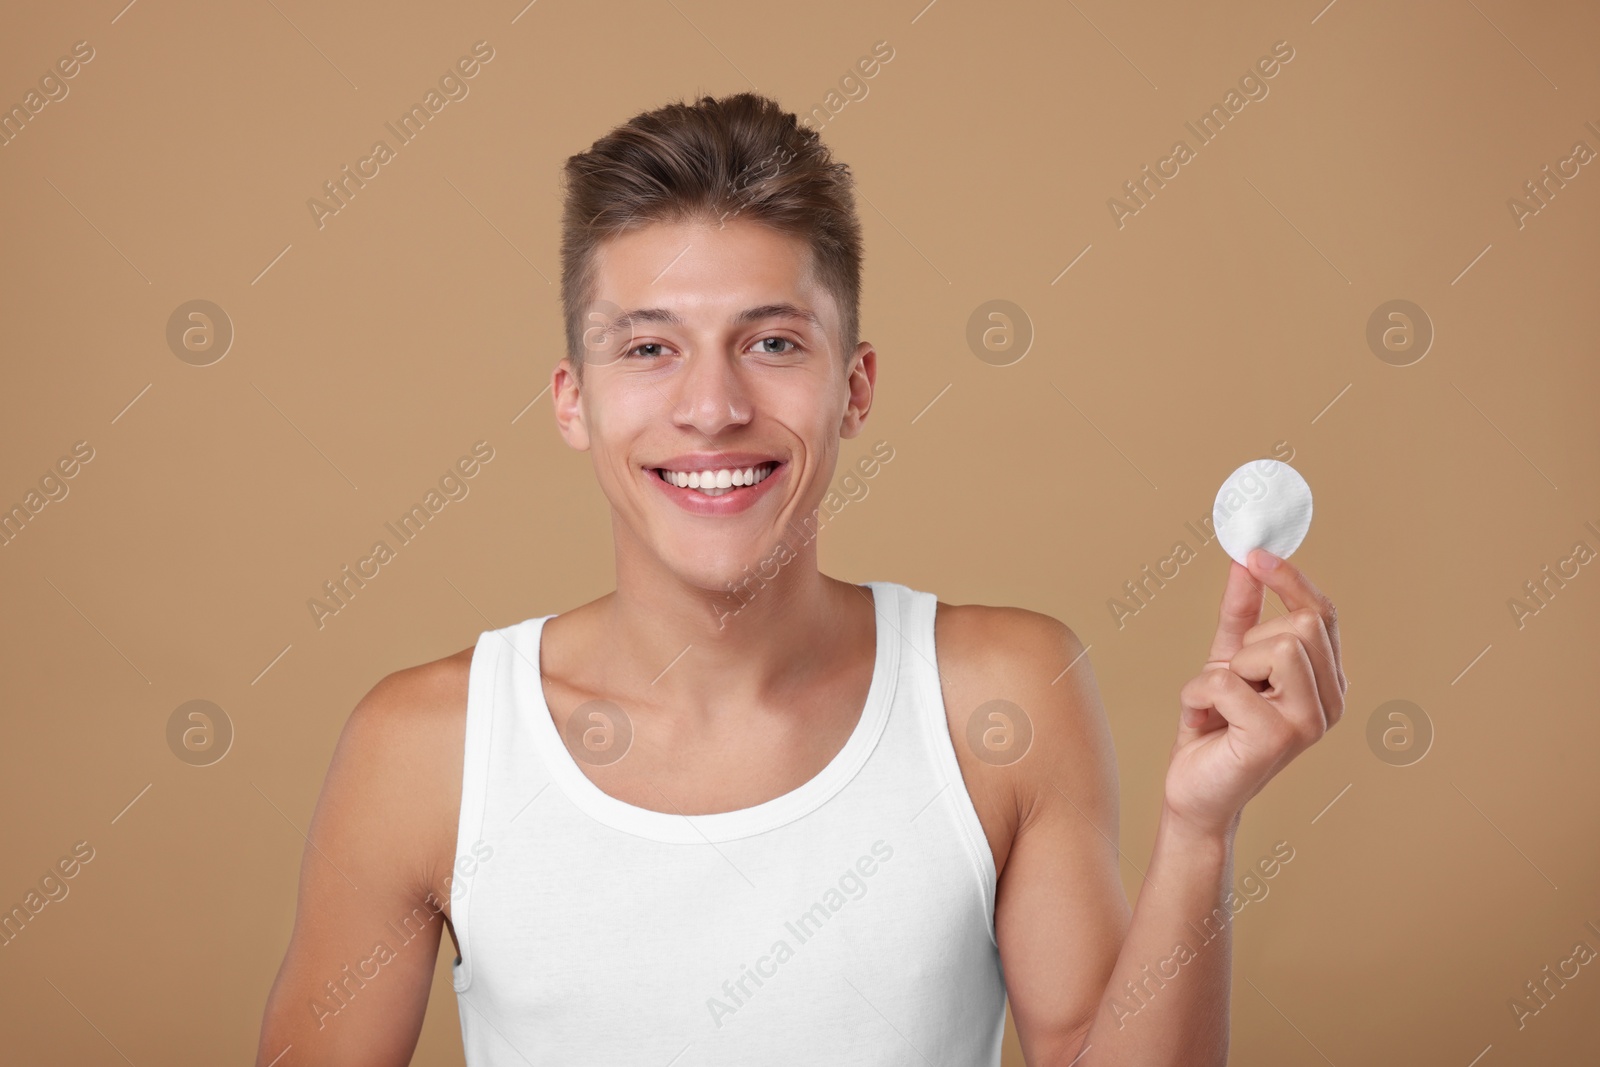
x=708 y=394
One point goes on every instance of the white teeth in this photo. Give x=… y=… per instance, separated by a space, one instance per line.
x=718 y=482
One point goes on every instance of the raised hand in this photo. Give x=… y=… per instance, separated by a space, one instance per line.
x=1268 y=691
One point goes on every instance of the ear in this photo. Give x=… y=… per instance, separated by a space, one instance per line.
x=568 y=403
x=863 y=377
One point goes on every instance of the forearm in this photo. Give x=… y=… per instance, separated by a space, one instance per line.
x=1167 y=1001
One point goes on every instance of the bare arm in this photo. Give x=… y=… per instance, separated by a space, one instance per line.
x=354 y=983
x=1167 y=1001
x=1061 y=915
x=1267 y=691
x=1067 y=941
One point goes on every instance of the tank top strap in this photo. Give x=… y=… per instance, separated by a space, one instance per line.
x=921 y=673
x=492 y=745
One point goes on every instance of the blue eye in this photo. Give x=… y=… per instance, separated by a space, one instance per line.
x=636 y=351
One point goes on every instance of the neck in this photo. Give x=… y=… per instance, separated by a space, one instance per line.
x=705 y=652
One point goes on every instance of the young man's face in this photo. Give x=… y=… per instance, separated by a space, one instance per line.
x=733 y=384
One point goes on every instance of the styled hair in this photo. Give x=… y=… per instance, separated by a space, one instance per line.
x=738 y=156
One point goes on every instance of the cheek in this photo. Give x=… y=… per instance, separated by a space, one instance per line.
x=801 y=396
x=623 y=412
x=808 y=426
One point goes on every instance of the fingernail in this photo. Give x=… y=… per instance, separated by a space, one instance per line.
x=1266 y=560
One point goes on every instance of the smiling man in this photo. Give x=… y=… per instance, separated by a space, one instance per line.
x=846 y=824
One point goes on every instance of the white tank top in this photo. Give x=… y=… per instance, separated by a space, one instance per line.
x=850 y=920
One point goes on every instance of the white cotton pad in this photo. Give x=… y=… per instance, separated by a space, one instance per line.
x=1263 y=504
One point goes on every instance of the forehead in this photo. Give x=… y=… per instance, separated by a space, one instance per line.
x=707 y=271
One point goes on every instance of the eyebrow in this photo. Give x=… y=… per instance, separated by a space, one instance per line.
x=781 y=310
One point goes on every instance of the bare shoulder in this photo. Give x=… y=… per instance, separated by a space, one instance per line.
x=408 y=736
x=978 y=634
x=381 y=836
x=1023 y=708
x=421 y=698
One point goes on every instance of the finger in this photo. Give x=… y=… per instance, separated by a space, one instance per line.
x=1290 y=681
x=1258 y=726
x=1195 y=721
x=1313 y=634
x=1242 y=598
x=1297 y=591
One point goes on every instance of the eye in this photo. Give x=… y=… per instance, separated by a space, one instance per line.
x=647 y=344
x=793 y=346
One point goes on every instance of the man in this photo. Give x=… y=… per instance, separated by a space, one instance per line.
x=737 y=811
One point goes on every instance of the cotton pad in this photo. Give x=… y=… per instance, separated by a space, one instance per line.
x=1263 y=504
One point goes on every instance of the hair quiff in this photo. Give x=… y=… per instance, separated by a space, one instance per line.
x=711 y=160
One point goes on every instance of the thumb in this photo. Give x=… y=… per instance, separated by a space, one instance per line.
x=1242 y=599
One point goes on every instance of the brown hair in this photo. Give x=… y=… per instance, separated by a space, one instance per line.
x=739 y=155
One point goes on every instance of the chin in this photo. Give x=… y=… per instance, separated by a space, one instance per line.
x=711 y=568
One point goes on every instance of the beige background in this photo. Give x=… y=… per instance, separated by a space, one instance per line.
x=1228 y=315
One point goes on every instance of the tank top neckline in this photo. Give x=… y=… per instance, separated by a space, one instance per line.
x=742 y=822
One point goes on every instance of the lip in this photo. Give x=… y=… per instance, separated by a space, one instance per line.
x=697 y=503
x=711 y=461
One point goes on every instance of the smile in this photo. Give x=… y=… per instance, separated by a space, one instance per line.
x=717 y=482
